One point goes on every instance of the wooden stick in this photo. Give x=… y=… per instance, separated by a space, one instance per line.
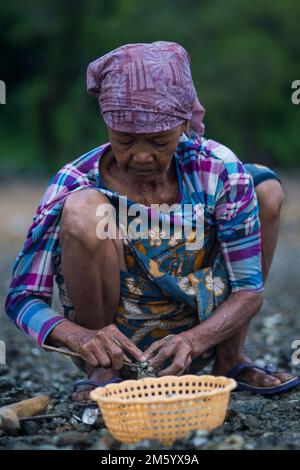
x=30 y=407
x=46 y=416
x=67 y=352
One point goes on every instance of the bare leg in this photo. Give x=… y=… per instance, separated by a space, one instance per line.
x=232 y=351
x=270 y=198
x=91 y=268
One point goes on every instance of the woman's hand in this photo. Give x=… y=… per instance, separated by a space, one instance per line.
x=107 y=347
x=178 y=348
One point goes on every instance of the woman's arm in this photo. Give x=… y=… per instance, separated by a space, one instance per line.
x=28 y=303
x=226 y=321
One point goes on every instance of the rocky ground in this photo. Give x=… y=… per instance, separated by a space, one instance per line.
x=252 y=422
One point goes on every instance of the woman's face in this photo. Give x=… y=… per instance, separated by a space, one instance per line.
x=145 y=155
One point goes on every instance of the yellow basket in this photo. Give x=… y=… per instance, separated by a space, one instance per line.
x=164 y=408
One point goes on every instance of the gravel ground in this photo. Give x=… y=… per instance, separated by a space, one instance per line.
x=252 y=422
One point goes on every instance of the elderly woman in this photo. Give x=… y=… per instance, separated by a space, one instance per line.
x=156 y=297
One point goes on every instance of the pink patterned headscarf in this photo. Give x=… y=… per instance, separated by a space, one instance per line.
x=145 y=88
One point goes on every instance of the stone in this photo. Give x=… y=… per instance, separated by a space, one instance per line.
x=71 y=438
x=30 y=428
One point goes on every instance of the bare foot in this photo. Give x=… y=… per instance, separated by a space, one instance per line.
x=100 y=375
x=255 y=377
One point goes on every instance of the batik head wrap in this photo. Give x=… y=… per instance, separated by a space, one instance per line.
x=146 y=88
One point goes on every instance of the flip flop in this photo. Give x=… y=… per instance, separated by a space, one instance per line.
x=86 y=384
x=269 y=369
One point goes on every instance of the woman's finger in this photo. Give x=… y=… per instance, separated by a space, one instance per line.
x=116 y=356
x=127 y=345
x=151 y=351
x=134 y=351
x=164 y=353
x=176 y=368
x=103 y=358
x=89 y=356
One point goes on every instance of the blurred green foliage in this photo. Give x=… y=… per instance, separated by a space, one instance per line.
x=245 y=55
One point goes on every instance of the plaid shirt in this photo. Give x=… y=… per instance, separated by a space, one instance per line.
x=213 y=176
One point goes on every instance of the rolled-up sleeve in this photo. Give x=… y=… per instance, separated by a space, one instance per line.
x=28 y=303
x=238 y=227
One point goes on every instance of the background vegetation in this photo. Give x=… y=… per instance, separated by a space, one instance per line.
x=244 y=55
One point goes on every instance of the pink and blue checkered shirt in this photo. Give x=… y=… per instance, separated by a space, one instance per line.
x=214 y=177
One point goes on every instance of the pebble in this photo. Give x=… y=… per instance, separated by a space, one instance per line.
x=22 y=446
x=46 y=447
x=250 y=421
x=30 y=428
x=199 y=441
x=3 y=369
x=72 y=438
x=145 y=444
x=37 y=439
x=61 y=408
x=269 y=407
x=234 y=442
x=6 y=383
x=106 y=441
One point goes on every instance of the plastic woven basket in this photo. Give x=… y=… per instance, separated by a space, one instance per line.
x=164 y=408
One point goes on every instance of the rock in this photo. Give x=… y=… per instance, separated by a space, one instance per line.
x=270 y=321
x=46 y=447
x=58 y=422
x=74 y=421
x=199 y=441
x=236 y=423
x=106 y=442
x=228 y=427
x=196 y=438
x=36 y=352
x=6 y=383
x=28 y=385
x=37 y=439
x=25 y=375
x=250 y=421
x=4 y=369
x=201 y=433
x=269 y=407
x=62 y=408
x=64 y=428
x=72 y=438
x=269 y=424
x=233 y=442
x=90 y=416
x=22 y=446
x=250 y=446
x=30 y=427
x=145 y=444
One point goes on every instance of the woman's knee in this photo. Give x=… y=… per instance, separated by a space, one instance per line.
x=79 y=218
x=270 y=198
